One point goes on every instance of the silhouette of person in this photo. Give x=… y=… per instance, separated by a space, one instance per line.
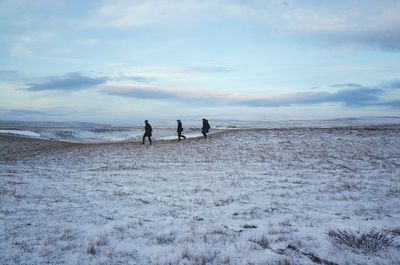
x=206 y=128
x=147 y=131
x=179 y=130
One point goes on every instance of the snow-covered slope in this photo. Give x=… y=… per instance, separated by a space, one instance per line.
x=240 y=197
x=97 y=133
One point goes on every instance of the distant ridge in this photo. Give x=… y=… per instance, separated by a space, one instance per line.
x=49 y=123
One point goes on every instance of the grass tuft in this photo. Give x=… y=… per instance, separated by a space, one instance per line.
x=165 y=239
x=366 y=243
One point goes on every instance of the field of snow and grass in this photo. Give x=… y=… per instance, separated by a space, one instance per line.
x=92 y=134
x=246 y=196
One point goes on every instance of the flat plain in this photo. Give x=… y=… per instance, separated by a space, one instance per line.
x=250 y=196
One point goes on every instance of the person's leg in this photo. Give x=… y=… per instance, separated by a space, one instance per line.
x=144 y=136
x=179 y=136
x=149 y=139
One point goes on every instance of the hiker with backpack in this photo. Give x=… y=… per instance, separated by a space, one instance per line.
x=147 y=131
x=179 y=130
x=206 y=128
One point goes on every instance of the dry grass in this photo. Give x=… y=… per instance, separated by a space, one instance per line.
x=366 y=243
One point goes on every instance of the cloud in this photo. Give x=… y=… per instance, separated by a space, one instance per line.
x=360 y=24
x=346 y=23
x=155 y=13
x=78 y=81
x=353 y=97
x=350 y=94
x=128 y=14
x=285 y=100
x=393 y=103
x=395 y=84
x=313 y=20
x=153 y=93
x=68 y=82
x=347 y=85
x=140 y=92
x=135 y=78
x=357 y=96
x=140 y=79
x=27 y=112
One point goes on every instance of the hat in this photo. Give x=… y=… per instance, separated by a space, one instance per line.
x=146 y=121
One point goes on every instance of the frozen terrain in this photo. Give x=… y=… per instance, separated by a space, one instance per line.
x=93 y=134
x=243 y=196
x=100 y=133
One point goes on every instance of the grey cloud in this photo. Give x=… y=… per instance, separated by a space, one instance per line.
x=347 y=85
x=349 y=94
x=356 y=97
x=352 y=97
x=349 y=97
x=298 y=98
x=394 y=104
x=69 y=82
x=136 y=78
x=141 y=93
x=395 y=84
x=140 y=79
x=26 y=112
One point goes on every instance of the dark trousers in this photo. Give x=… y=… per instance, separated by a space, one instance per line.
x=148 y=136
x=181 y=135
x=204 y=134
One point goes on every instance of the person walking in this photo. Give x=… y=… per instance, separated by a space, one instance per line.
x=179 y=130
x=206 y=128
x=147 y=131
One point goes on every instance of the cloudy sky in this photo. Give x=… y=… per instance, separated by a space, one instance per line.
x=124 y=61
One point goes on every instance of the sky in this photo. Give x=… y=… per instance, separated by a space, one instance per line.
x=125 y=61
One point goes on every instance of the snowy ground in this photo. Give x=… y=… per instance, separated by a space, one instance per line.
x=239 y=197
x=94 y=134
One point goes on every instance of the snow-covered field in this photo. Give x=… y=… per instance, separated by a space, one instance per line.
x=246 y=196
x=94 y=134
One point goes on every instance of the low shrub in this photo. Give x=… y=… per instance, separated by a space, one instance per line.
x=366 y=243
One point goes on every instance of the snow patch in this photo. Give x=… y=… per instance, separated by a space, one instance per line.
x=19 y=132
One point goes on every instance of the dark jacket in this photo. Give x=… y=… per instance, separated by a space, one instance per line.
x=147 y=129
x=179 y=129
x=206 y=126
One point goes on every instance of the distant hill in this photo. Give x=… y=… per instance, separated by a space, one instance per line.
x=48 y=123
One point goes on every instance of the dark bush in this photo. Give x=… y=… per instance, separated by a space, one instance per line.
x=365 y=243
